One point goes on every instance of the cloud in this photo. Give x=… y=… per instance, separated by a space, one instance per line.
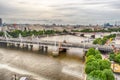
x=115 y=5
x=60 y=11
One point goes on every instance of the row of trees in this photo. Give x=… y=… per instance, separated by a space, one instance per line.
x=25 y=33
x=115 y=57
x=103 y=30
x=96 y=68
x=103 y=40
x=84 y=30
x=30 y=33
x=90 y=30
x=114 y=29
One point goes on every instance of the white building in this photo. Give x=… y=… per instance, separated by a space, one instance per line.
x=117 y=39
x=0 y=28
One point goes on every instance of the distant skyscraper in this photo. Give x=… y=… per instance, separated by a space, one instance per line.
x=107 y=25
x=0 y=21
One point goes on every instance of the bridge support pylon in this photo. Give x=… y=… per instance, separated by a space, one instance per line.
x=3 y=44
x=18 y=45
x=25 y=46
x=31 y=47
x=45 y=48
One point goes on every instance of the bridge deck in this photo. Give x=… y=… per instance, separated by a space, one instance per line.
x=64 y=45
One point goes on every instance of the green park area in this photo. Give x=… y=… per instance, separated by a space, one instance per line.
x=96 y=68
x=103 y=40
x=115 y=57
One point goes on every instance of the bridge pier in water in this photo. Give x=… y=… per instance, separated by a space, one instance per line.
x=18 y=45
x=25 y=46
x=9 y=45
x=63 y=50
x=3 y=44
x=13 y=45
x=43 y=48
x=31 y=47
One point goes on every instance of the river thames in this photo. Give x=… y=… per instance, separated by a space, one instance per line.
x=39 y=66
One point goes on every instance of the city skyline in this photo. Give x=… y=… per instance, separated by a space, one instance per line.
x=60 y=12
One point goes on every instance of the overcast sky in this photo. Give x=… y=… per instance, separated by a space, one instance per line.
x=60 y=11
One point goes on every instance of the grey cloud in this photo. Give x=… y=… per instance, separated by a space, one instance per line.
x=115 y=5
x=67 y=8
x=69 y=15
x=19 y=20
x=65 y=13
x=28 y=3
x=46 y=20
x=22 y=2
x=10 y=10
x=17 y=12
x=4 y=9
x=83 y=3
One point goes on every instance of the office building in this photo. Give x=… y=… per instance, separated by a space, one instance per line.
x=0 y=21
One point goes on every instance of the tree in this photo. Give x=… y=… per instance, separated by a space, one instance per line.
x=91 y=66
x=65 y=31
x=90 y=59
x=104 y=64
x=86 y=30
x=109 y=74
x=96 y=75
x=104 y=39
x=96 y=68
x=98 y=56
x=15 y=33
x=1 y=33
x=91 y=51
x=97 y=52
x=97 y=41
x=117 y=58
x=112 y=56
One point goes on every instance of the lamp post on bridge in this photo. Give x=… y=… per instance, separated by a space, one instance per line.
x=20 y=37
x=43 y=32
x=5 y=34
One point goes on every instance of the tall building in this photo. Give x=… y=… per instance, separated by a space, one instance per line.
x=0 y=21
x=107 y=25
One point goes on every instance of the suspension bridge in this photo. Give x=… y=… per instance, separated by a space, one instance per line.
x=26 y=43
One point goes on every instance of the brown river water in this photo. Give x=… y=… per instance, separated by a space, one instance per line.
x=39 y=66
